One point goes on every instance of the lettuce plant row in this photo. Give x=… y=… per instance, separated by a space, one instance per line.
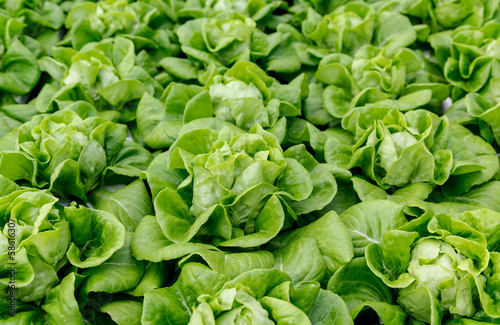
x=213 y=162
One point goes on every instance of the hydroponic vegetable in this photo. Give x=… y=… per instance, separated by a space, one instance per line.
x=250 y=162
x=69 y=154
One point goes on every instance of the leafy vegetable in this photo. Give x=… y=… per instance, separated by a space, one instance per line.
x=70 y=154
x=243 y=188
x=249 y=162
x=435 y=269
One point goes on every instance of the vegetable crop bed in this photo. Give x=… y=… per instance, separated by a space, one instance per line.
x=218 y=162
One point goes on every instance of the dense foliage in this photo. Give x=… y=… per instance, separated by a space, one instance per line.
x=250 y=162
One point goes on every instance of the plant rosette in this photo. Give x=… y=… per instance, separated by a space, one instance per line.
x=440 y=265
x=234 y=189
x=71 y=154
